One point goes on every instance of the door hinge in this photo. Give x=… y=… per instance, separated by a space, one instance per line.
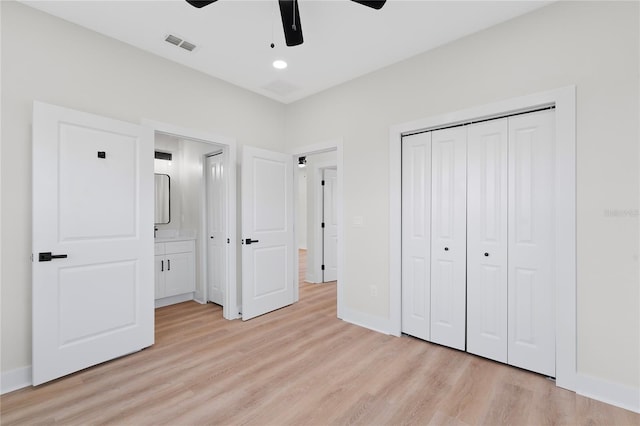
x=322 y=225
x=322 y=267
x=323 y=182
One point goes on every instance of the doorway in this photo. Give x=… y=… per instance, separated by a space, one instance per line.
x=308 y=207
x=316 y=210
x=215 y=263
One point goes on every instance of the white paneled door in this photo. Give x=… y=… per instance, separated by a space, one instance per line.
x=267 y=232
x=416 y=234
x=448 y=236
x=216 y=228
x=93 y=283
x=487 y=239
x=531 y=242
x=330 y=228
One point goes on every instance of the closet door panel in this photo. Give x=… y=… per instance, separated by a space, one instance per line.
x=416 y=234
x=531 y=284
x=487 y=239
x=448 y=237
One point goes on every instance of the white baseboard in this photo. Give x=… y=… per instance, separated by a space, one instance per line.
x=172 y=300
x=15 y=379
x=613 y=393
x=375 y=323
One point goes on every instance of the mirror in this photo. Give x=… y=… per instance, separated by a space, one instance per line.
x=163 y=196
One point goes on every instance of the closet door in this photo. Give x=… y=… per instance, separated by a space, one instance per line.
x=448 y=239
x=487 y=239
x=416 y=234
x=531 y=246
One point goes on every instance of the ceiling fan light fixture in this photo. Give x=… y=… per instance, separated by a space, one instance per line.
x=279 y=64
x=290 y=14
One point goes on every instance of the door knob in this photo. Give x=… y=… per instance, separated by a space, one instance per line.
x=486 y=254
x=446 y=249
x=211 y=237
x=249 y=241
x=47 y=256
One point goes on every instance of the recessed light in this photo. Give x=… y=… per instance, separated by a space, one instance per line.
x=279 y=64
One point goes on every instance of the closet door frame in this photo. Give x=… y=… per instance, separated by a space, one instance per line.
x=564 y=101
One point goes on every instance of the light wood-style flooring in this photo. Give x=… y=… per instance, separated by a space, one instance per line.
x=299 y=365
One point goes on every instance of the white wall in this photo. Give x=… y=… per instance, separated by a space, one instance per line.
x=45 y=58
x=593 y=45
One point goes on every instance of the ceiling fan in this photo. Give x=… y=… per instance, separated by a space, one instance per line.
x=291 y=16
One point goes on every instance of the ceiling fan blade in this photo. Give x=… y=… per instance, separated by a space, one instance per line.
x=376 y=4
x=199 y=3
x=291 y=22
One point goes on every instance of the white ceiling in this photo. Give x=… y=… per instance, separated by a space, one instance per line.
x=342 y=39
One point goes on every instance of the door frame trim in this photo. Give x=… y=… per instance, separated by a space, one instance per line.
x=564 y=100
x=231 y=309
x=318 y=148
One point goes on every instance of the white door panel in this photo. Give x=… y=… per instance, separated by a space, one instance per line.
x=267 y=228
x=487 y=239
x=448 y=237
x=92 y=201
x=216 y=228
x=531 y=229
x=416 y=234
x=330 y=220
x=94 y=185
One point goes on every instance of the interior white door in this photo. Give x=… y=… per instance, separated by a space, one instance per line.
x=216 y=228
x=330 y=228
x=416 y=234
x=93 y=190
x=487 y=239
x=267 y=229
x=531 y=241
x=448 y=236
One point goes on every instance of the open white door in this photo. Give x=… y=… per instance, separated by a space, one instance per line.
x=329 y=225
x=216 y=228
x=92 y=240
x=267 y=232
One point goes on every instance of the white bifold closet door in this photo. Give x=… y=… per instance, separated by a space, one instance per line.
x=448 y=236
x=531 y=331
x=416 y=234
x=487 y=239
x=478 y=239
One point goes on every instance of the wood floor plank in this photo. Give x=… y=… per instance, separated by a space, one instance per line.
x=298 y=366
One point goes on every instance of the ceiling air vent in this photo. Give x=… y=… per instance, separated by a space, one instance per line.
x=188 y=46
x=173 y=39
x=177 y=41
